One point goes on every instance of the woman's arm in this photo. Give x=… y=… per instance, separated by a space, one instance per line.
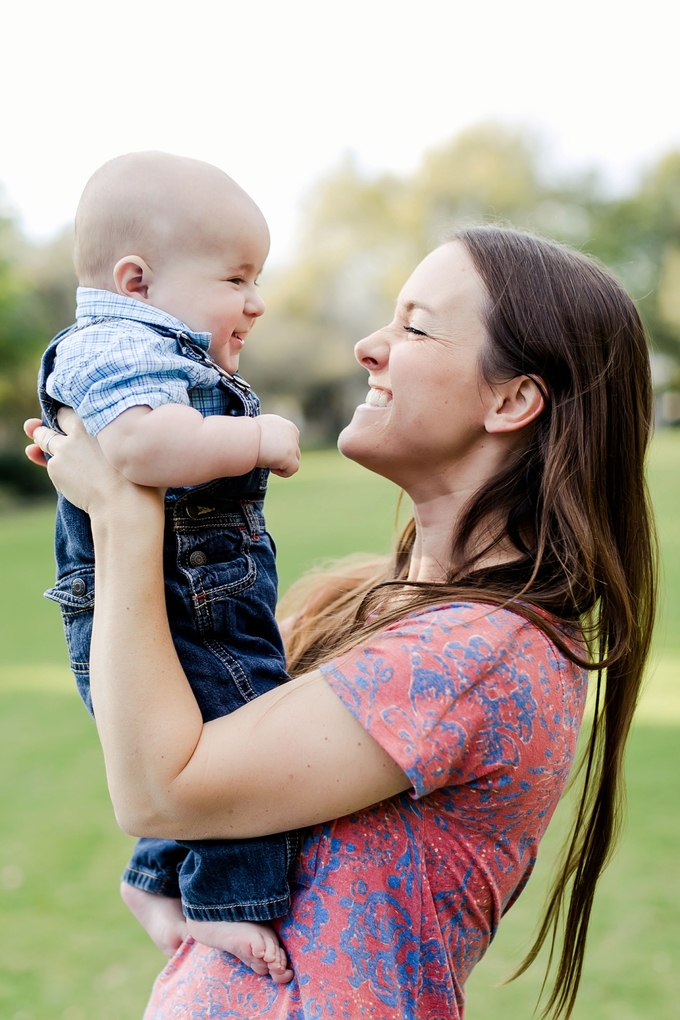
x=291 y=758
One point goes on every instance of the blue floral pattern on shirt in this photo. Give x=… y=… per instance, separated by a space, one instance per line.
x=393 y=906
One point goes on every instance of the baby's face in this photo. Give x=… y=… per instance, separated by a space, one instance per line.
x=216 y=292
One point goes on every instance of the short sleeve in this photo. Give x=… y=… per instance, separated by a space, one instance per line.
x=103 y=373
x=447 y=693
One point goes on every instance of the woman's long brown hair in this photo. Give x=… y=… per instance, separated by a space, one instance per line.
x=575 y=507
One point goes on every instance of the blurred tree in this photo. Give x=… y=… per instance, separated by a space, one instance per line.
x=360 y=238
x=36 y=299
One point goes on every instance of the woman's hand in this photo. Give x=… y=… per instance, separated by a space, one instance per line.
x=78 y=468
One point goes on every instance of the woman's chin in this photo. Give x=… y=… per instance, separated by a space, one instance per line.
x=345 y=444
x=361 y=445
x=353 y=442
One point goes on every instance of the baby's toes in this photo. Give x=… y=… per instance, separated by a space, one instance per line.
x=272 y=951
x=278 y=966
x=278 y=960
x=259 y=946
x=258 y=966
x=281 y=976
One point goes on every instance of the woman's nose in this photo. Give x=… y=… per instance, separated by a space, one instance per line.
x=372 y=351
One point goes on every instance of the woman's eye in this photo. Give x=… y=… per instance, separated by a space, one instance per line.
x=412 y=329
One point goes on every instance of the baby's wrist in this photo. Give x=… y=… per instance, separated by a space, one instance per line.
x=258 y=425
x=243 y=452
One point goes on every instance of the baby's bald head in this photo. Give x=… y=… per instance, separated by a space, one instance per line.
x=159 y=207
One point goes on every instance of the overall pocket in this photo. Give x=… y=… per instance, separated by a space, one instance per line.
x=218 y=565
x=74 y=594
x=221 y=589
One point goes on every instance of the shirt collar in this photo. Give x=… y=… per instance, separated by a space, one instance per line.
x=94 y=303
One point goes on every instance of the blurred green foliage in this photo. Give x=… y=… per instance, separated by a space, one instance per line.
x=360 y=238
x=69 y=949
x=37 y=284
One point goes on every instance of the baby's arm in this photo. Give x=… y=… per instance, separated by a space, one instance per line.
x=174 y=445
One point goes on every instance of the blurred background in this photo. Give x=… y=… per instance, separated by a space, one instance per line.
x=366 y=131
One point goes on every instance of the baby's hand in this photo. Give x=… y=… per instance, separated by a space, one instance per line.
x=279 y=445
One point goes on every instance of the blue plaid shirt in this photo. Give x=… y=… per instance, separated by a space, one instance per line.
x=114 y=360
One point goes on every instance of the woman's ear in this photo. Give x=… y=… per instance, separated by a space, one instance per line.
x=132 y=277
x=518 y=402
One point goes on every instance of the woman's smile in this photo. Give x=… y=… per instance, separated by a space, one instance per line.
x=377 y=398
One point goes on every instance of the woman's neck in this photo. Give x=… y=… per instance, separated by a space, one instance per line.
x=437 y=520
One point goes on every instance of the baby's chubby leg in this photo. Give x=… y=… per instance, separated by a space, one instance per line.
x=256 y=945
x=160 y=916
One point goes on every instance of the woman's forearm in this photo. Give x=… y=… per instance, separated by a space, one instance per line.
x=148 y=719
x=293 y=757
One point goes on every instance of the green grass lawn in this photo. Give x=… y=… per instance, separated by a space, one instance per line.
x=70 y=951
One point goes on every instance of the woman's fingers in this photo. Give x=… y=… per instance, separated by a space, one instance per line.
x=47 y=439
x=75 y=463
x=70 y=422
x=30 y=425
x=44 y=438
x=35 y=455
x=77 y=466
x=35 y=430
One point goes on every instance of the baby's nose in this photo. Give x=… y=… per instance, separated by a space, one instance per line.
x=255 y=305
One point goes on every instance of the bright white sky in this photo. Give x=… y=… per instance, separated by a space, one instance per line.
x=275 y=91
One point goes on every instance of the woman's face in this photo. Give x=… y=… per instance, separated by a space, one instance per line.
x=427 y=402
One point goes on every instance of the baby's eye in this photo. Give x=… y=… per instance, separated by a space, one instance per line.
x=412 y=329
x=236 y=279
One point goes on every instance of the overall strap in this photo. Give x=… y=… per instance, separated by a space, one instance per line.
x=48 y=404
x=234 y=384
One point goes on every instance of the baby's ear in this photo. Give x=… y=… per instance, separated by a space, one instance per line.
x=132 y=277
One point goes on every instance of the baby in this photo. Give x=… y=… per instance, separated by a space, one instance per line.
x=167 y=254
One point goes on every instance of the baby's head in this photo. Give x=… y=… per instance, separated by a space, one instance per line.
x=178 y=234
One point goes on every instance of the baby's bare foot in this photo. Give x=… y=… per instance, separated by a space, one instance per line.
x=256 y=945
x=160 y=916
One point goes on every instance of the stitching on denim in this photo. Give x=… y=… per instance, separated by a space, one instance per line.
x=292 y=846
x=215 y=520
x=238 y=903
x=146 y=874
x=236 y=671
x=202 y=597
x=235 y=588
x=69 y=611
x=208 y=489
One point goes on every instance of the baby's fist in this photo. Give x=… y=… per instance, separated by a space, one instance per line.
x=279 y=445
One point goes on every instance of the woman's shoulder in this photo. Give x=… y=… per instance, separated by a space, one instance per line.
x=480 y=625
x=447 y=679
x=477 y=637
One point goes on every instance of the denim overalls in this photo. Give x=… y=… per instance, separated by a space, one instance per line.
x=220 y=587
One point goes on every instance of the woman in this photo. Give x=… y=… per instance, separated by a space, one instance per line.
x=432 y=723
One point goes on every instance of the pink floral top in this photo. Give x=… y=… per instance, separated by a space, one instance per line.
x=393 y=907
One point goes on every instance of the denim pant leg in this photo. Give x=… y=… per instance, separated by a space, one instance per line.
x=227 y=640
x=154 y=866
x=237 y=880
x=155 y=862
